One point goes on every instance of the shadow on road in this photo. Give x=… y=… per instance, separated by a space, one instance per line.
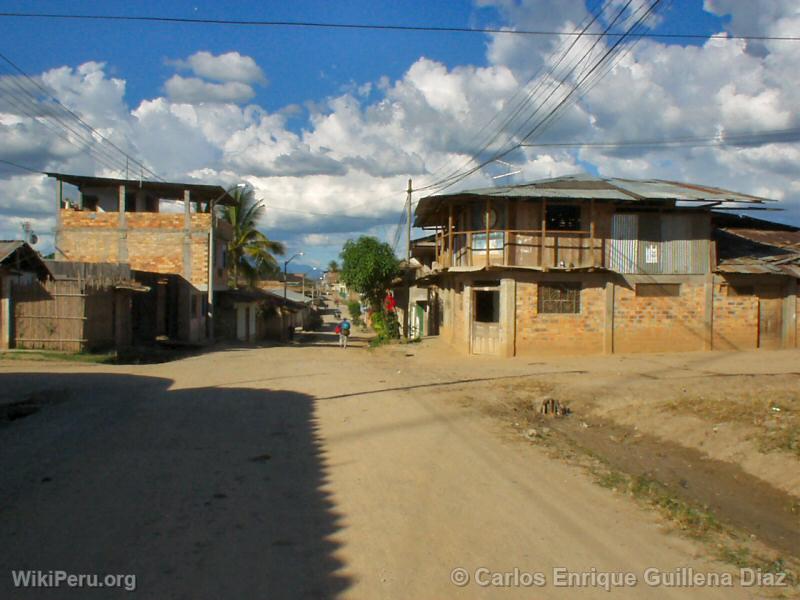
x=200 y=493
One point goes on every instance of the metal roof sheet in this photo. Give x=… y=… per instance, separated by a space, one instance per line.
x=164 y=189
x=17 y=254
x=7 y=247
x=586 y=187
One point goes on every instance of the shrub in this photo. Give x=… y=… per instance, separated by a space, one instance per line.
x=354 y=307
x=386 y=325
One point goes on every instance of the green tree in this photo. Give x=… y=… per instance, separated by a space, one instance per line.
x=368 y=267
x=252 y=254
x=333 y=266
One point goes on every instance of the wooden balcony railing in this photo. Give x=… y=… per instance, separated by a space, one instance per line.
x=552 y=249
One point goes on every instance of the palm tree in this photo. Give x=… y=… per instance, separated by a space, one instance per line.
x=333 y=266
x=251 y=252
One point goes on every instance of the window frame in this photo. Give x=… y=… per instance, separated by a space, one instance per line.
x=546 y=303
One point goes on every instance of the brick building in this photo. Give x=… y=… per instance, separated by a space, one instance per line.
x=164 y=231
x=581 y=264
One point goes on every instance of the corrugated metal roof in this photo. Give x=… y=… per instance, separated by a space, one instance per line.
x=164 y=189
x=7 y=247
x=16 y=254
x=780 y=239
x=586 y=187
x=290 y=295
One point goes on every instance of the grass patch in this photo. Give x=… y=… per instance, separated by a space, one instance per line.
x=695 y=521
x=47 y=355
x=775 y=414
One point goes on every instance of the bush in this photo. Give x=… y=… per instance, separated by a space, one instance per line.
x=386 y=325
x=354 y=307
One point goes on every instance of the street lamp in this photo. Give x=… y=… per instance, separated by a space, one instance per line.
x=210 y=290
x=304 y=281
x=285 y=265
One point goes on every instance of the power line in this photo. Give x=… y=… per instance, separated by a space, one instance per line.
x=450 y=181
x=633 y=30
x=23 y=167
x=90 y=131
x=764 y=137
x=379 y=26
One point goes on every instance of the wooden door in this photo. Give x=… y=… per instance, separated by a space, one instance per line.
x=770 y=309
x=486 y=321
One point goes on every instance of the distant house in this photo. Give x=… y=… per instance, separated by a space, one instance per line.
x=582 y=264
x=250 y=315
x=20 y=265
x=164 y=232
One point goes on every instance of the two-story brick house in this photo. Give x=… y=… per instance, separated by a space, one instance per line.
x=164 y=231
x=584 y=264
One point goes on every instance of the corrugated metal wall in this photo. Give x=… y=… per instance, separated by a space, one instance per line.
x=661 y=244
x=623 y=249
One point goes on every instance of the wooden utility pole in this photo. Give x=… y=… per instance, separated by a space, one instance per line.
x=408 y=272
x=408 y=225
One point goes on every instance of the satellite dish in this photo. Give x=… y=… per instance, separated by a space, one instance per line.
x=34 y=238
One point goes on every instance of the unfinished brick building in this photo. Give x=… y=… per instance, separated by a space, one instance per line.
x=582 y=264
x=164 y=231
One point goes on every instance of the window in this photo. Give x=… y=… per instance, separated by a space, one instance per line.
x=652 y=290
x=563 y=218
x=561 y=298
x=487 y=306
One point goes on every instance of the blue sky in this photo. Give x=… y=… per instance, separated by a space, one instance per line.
x=335 y=121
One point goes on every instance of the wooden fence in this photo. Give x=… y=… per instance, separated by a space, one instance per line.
x=64 y=314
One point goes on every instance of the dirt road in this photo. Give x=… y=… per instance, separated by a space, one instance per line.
x=305 y=471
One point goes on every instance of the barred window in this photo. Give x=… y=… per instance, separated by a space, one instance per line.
x=563 y=298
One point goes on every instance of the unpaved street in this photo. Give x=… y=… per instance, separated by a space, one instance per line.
x=304 y=471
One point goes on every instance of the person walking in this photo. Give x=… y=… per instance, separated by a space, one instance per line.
x=343 y=329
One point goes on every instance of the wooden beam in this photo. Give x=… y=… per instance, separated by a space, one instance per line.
x=450 y=237
x=488 y=208
x=591 y=231
x=543 y=233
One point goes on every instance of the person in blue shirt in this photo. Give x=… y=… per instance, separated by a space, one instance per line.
x=344 y=332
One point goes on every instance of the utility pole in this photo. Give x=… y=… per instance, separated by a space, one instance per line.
x=407 y=274
x=408 y=224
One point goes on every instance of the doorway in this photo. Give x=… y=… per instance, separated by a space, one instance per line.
x=486 y=321
x=770 y=321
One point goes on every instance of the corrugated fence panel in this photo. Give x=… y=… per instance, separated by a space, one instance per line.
x=659 y=244
x=623 y=245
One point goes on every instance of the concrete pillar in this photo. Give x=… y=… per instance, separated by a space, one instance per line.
x=708 y=313
x=608 y=325
x=467 y=328
x=5 y=312
x=508 y=317
x=187 y=236
x=122 y=252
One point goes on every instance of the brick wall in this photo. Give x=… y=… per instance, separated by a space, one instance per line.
x=659 y=324
x=155 y=241
x=85 y=245
x=735 y=320
x=580 y=333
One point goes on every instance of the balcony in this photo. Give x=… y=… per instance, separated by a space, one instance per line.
x=531 y=248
